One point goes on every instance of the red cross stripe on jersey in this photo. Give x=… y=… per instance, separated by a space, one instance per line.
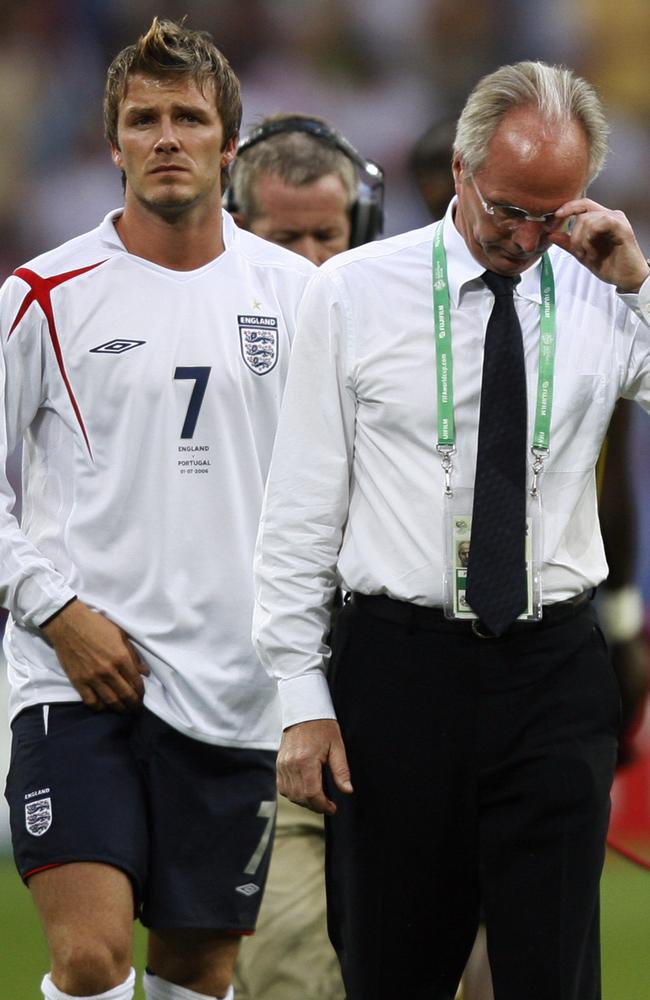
x=40 y=292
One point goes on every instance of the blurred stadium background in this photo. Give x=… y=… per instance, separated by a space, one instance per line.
x=382 y=71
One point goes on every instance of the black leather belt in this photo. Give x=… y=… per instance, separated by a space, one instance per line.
x=433 y=619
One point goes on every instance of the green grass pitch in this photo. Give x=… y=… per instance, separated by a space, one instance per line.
x=625 y=922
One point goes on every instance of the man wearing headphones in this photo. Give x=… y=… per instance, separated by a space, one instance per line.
x=298 y=182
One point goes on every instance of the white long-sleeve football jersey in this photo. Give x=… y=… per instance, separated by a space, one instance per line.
x=147 y=401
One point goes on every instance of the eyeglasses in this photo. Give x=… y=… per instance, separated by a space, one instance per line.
x=509 y=217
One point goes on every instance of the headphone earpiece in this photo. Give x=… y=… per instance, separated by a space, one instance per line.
x=367 y=213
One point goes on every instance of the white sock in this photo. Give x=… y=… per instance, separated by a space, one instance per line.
x=156 y=988
x=122 y=992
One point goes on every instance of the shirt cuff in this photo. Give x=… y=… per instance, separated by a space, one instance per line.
x=57 y=613
x=39 y=599
x=305 y=698
x=639 y=302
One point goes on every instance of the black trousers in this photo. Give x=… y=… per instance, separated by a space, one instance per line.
x=482 y=770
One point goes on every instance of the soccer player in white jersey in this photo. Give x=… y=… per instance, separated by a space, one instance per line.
x=143 y=366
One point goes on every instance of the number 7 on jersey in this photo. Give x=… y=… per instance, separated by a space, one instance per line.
x=200 y=377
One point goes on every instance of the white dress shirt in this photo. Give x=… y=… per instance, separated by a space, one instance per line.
x=355 y=492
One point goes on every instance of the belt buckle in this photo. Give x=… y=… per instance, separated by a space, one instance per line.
x=477 y=632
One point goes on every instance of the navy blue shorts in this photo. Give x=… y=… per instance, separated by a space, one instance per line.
x=189 y=822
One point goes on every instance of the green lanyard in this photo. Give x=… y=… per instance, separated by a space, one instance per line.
x=444 y=363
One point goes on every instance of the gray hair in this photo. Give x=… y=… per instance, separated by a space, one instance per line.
x=556 y=91
x=297 y=158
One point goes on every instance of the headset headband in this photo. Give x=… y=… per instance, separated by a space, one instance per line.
x=320 y=131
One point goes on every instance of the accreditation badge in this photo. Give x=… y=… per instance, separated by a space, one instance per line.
x=458 y=538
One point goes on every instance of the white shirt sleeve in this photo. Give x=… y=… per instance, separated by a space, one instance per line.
x=30 y=586
x=305 y=508
x=636 y=373
x=639 y=302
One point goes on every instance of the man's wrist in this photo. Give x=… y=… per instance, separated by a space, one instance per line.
x=56 y=614
x=637 y=287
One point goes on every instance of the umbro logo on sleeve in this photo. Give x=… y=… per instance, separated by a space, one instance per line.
x=116 y=346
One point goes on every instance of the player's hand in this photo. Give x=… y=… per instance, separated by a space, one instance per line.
x=603 y=240
x=98 y=658
x=306 y=749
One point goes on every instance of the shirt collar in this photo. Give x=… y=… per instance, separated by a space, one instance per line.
x=229 y=229
x=110 y=236
x=108 y=232
x=462 y=267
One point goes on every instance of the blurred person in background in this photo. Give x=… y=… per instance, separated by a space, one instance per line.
x=298 y=182
x=620 y=602
x=143 y=365
x=430 y=166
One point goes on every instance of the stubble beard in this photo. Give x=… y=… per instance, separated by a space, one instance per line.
x=168 y=204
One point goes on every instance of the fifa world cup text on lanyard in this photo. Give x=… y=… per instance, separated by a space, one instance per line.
x=446 y=445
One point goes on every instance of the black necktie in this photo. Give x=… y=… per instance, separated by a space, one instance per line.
x=496 y=573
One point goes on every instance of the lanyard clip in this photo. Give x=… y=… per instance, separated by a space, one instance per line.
x=539 y=457
x=446 y=451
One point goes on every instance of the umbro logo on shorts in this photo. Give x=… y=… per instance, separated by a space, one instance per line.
x=248 y=890
x=116 y=346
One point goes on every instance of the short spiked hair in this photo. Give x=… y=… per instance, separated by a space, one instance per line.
x=169 y=49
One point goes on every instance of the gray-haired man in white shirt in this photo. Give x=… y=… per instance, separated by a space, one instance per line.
x=481 y=756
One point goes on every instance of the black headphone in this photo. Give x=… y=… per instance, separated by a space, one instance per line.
x=367 y=211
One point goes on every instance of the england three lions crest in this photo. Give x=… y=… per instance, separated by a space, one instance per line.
x=258 y=336
x=38 y=816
